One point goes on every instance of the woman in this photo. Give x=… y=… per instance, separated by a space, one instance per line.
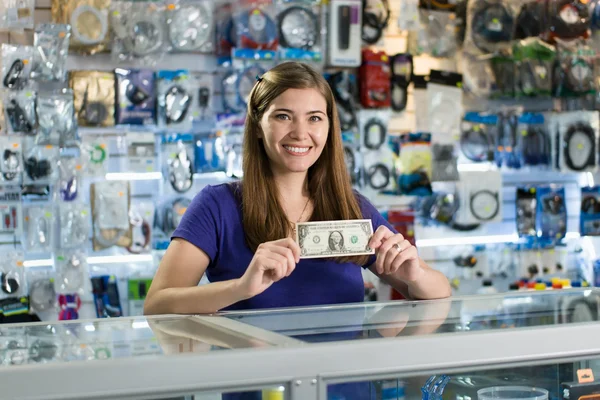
x=241 y=234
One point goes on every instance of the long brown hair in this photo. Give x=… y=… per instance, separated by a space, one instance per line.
x=328 y=180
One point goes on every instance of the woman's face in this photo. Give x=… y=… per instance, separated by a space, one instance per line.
x=294 y=130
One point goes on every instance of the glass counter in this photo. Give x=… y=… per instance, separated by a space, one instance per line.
x=393 y=350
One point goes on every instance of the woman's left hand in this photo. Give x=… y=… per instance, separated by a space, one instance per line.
x=395 y=255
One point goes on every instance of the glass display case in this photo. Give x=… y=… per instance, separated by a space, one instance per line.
x=523 y=345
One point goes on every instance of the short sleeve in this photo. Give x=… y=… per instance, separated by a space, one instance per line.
x=199 y=225
x=370 y=212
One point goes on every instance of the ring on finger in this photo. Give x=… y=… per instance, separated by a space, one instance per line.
x=398 y=247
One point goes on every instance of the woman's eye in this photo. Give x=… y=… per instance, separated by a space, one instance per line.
x=282 y=117
x=315 y=118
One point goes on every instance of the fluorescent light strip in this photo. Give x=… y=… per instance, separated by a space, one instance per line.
x=464 y=240
x=133 y=176
x=475 y=167
x=133 y=258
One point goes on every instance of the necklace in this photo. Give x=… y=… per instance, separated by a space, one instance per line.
x=301 y=215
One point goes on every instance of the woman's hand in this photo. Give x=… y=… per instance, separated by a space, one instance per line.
x=395 y=255
x=272 y=262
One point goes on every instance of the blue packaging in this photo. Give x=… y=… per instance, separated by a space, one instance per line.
x=551 y=213
x=136 y=97
x=589 y=219
x=210 y=153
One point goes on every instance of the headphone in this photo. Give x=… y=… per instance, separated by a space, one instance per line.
x=260 y=31
x=485 y=214
x=298 y=28
x=13 y=78
x=177 y=104
x=580 y=128
x=373 y=24
x=181 y=172
x=374 y=124
x=9 y=283
x=492 y=24
x=190 y=27
x=37 y=169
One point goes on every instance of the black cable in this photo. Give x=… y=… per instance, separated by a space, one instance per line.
x=373 y=25
x=301 y=37
x=492 y=23
x=586 y=130
x=374 y=172
x=474 y=209
x=18 y=117
x=536 y=146
x=13 y=78
x=529 y=23
x=443 y=207
x=476 y=136
x=343 y=92
x=372 y=124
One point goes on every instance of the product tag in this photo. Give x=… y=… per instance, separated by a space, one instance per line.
x=585 y=375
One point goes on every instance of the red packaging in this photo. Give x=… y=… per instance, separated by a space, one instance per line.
x=375 y=75
x=404 y=223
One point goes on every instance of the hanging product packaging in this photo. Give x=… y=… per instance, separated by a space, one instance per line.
x=11 y=164
x=478 y=137
x=19 y=109
x=39 y=229
x=256 y=28
x=71 y=271
x=13 y=285
x=89 y=23
x=42 y=295
x=178 y=161
x=234 y=153
x=401 y=68
x=139 y=31
x=344 y=28
x=106 y=296
x=421 y=103
x=74 y=225
x=95 y=156
x=40 y=163
x=140 y=219
x=141 y=150
x=210 y=152
x=110 y=214
x=526 y=206
x=56 y=119
x=10 y=210
x=535 y=140
x=190 y=25
x=490 y=26
x=373 y=125
x=478 y=76
x=94 y=97
x=202 y=87
x=16 y=66
x=531 y=20
x=50 y=51
x=504 y=76
x=237 y=85
x=225 y=29
x=299 y=28
x=415 y=164
x=589 y=221
x=376 y=16
x=69 y=178
x=577 y=136
x=574 y=74
x=551 y=213
x=568 y=20
x=437 y=36
x=444 y=164
x=175 y=97
x=136 y=295
x=480 y=194
x=534 y=61
x=16 y=15
x=344 y=86
x=508 y=145
x=444 y=99
x=375 y=77
x=353 y=157
x=136 y=97
x=380 y=174
x=167 y=218
x=408 y=17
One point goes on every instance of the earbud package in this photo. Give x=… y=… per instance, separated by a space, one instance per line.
x=373 y=127
x=42 y=295
x=479 y=132
x=74 y=225
x=11 y=165
x=415 y=164
x=16 y=66
x=437 y=36
x=444 y=98
x=136 y=97
x=20 y=111
x=202 y=87
x=13 y=285
x=526 y=209
x=300 y=32
x=575 y=75
x=210 y=152
x=39 y=163
x=110 y=214
x=490 y=26
x=534 y=139
x=256 y=29
x=190 y=26
x=589 y=221
x=94 y=97
x=175 y=97
x=375 y=78
x=141 y=150
x=39 y=229
x=551 y=213
x=95 y=155
x=178 y=161
x=534 y=61
x=16 y=15
x=56 y=119
x=344 y=33
x=234 y=148
x=89 y=23
x=139 y=31
x=576 y=140
x=70 y=173
x=480 y=195
x=71 y=271
x=50 y=51
x=140 y=218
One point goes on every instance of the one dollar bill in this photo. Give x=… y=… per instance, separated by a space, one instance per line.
x=334 y=238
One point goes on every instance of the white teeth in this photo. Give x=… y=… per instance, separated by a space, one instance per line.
x=297 y=149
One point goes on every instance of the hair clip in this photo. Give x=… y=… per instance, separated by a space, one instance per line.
x=259 y=78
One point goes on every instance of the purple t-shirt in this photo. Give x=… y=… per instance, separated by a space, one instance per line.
x=213 y=223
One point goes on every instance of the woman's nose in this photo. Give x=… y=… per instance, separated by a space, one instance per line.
x=299 y=130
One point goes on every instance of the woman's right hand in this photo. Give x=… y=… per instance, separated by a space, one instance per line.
x=272 y=262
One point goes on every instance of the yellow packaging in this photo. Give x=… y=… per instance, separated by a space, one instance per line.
x=94 y=97
x=90 y=25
